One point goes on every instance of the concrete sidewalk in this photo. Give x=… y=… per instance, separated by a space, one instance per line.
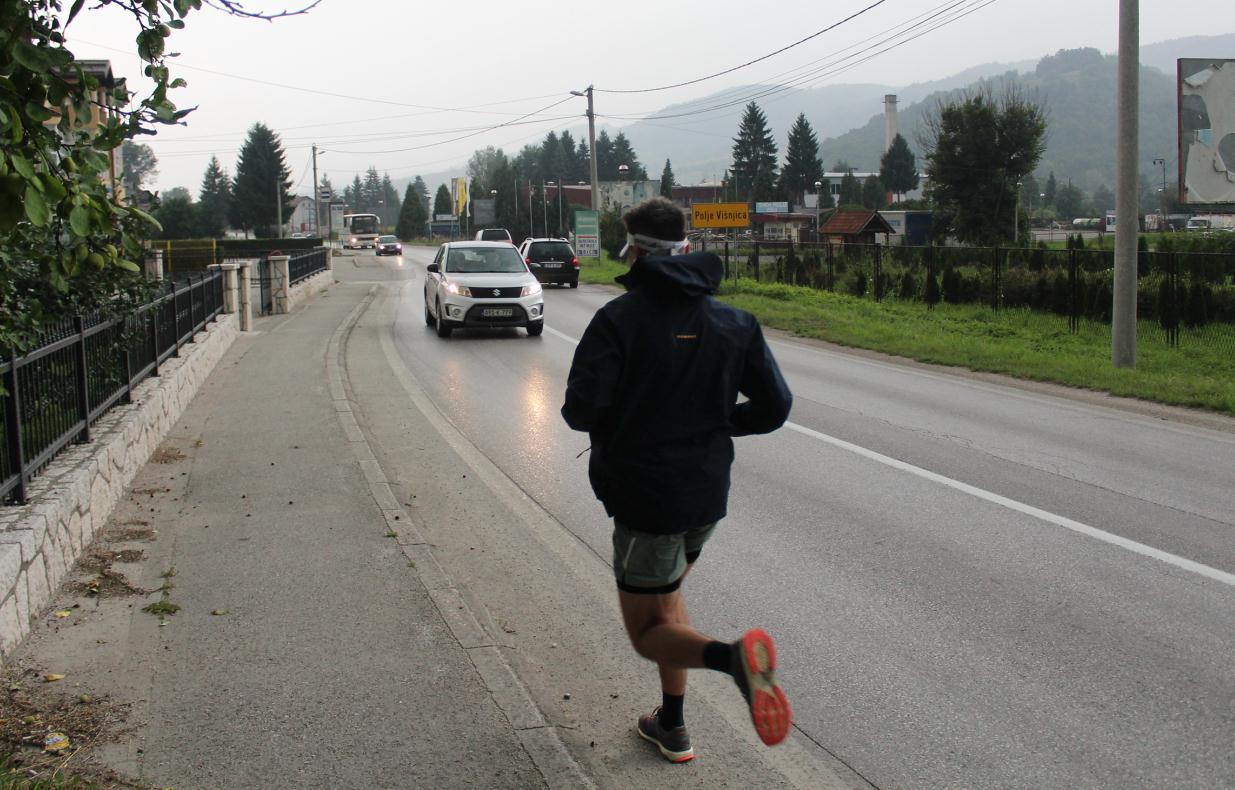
x=306 y=651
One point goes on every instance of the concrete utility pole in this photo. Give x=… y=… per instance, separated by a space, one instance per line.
x=1123 y=310
x=317 y=209
x=278 y=204
x=591 y=144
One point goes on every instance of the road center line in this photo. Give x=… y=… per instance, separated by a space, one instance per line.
x=988 y=496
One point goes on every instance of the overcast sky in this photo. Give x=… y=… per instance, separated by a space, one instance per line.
x=403 y=69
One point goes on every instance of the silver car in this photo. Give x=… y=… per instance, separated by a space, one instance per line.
x=482 y=283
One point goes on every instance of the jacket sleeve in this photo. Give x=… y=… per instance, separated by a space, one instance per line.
x=593 y=376
x=768 y=395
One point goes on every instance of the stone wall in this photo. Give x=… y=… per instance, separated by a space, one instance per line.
x=67 y=504
x=308 y=288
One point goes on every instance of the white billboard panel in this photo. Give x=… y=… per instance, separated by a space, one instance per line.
x=1206 y=130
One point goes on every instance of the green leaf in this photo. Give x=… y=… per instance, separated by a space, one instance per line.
x=22 y=165
x=10 y=201
x=30 y=56
x=75 y=10
x=53 y=187
x=144 y=217
x=38 y=112
x=15 y=130
x=79 y=220
x=175 y=23
x=36 y=207
x=150 y=45
x=128 y=265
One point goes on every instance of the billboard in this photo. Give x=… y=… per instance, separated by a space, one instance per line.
x=720 y=215
x=773 y=207
x=587 y=233
x=484 y=212
x=1206 y=101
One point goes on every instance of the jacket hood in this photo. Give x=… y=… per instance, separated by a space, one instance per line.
x=695 y=274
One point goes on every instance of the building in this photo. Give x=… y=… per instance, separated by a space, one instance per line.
x=301 y=219
x=909 y=227
x=687 y=196
x=855 y=226
x=105 y=108
x=784 y=225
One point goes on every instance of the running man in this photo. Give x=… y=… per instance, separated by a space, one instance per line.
x=655 y=382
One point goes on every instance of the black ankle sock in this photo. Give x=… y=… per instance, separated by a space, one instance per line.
x=671 y=710
x=718 y=656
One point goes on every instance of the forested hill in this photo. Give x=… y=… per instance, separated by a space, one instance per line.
x=1078 y=88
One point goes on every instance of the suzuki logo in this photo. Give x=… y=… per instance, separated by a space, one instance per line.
x=497 y=291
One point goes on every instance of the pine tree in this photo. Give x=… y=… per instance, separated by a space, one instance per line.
x=850 y=190
x=442 y=204
x=606 y=164
x=667 y=181
x=412 y=215
x=898 y=169
x=1052 y=187
x=803 y=166
x=390 y=196
x=353 y=195
x=873 y=196
x=754 y=157
x=213 y=200
x=371 y=194
x=262 y=177
x=421 y=189
x=624 y=154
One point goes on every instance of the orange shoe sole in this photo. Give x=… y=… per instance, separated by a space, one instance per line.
x=769 y=707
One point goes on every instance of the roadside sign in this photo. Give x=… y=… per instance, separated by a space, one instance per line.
x=775 y=207
x=443 y=217
x=587 y=233
x=720 y=215
x=324 y=194
x=484 y=212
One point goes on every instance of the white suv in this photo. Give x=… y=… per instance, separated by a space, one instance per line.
x=481 y=283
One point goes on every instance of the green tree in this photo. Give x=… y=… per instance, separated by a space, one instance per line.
x=262 y=178
x=418 y=184
x=140 y=168
x=850 y=190
x=442 y=203
x=624 y=154
x=1104 y=200
x=873 y=195
x=898 y=170
x=482 y=165
x=802 y=164
x=505 y=202
x=1052 y=187
x=1070 y=202
x=825 y=195
x=606 y=163
x=371 y=198
x=214 y=199
x=667 y=181
x=754 y=157
x=178 y=215
x=978 y=147
x=412 y=215
x=612 y=232
x=390 y=197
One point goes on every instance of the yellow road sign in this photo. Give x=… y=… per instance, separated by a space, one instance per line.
x=720 y=215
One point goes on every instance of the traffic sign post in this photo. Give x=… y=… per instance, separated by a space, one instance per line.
x=720 y=215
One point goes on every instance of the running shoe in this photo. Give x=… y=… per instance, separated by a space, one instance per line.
x=673 y=743
x=755 y=674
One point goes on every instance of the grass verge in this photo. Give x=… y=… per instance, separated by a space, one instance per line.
x=1200 y=372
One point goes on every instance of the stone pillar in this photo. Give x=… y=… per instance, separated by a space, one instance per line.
x=154 y=264
x=246 y=303
x=231 y=286
x=329 y=259
x=281 y=283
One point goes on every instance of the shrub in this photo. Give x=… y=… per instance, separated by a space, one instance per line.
x=932 y=294
x=1196 y=306
x=1168 y=305
x=909 y=286
x=857 y=285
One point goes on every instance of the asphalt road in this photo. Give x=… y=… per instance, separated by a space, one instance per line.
x=972 y=585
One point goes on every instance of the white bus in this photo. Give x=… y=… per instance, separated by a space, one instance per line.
x=360 y=230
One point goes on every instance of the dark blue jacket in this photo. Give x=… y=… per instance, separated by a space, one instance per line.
x=655 y=382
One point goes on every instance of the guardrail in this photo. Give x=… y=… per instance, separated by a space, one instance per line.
x=302 y=265
x=86 y=365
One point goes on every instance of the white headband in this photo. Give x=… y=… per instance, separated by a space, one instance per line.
x=649 y=244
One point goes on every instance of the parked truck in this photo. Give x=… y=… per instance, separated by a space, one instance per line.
x=1212 y=222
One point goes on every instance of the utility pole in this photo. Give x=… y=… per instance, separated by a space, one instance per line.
x=317 y=208
x=1162 y=197
x=1123 y=310
x=278 y=204
x=591 y=144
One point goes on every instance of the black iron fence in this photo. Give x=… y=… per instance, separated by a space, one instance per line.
x=84 y=366
x=303 y=264
x=1177 y=290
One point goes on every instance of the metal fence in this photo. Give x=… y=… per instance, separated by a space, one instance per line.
x=1183 y=292
x=84 y=366
x=303 y=264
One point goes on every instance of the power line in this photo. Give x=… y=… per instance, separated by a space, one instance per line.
x=785 y=48
x=473 y=108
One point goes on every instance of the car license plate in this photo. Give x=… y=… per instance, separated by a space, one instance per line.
x=554 y=265
x=498 y=312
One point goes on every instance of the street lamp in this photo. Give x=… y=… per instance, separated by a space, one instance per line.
x=591 y=144
x=818 y=209
x=1016 y=218
x=1162 y=200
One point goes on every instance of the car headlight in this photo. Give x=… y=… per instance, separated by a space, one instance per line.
x=530 y=290
x=458 y=290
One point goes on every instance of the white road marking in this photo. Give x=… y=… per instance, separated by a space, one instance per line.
x=988 y=496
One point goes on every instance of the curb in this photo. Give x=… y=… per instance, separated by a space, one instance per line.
x=540 y=739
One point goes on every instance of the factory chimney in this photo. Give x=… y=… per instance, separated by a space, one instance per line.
x=889 y=120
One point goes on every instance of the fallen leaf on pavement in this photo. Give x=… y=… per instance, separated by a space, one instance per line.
x=52 y=677
x=220 y=611
x=63 y=613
